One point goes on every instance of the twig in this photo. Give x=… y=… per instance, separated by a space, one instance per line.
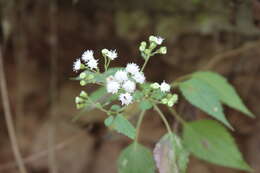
x=230 y=54
x=9 y=119
x=53 y=86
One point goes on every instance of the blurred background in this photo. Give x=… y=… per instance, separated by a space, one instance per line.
x=41 y=39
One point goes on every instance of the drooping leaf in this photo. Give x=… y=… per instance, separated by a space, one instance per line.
x=145 y=105
x=225 y=90
x=136 y=159
x=170 y=155
x=201 y=95
x=210 y=141
x=121 y=125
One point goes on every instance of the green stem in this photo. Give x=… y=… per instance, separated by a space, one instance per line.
x=163 y=118
x=177 y=116
x=139 y=122
x=145 y=63
x=105 y=64
x=100 y=107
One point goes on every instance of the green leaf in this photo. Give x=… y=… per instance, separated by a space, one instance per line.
x=225 y=90
x=145 y=105
x=170 y=155
x=201 y=95
x=121 y=125
x=136 y=159
x=210 y=141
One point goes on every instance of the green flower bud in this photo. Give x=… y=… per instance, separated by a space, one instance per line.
x=155 y=85
x=83 y=94
x=152 y=38
x=83 y=83
x=147 y=51
x=163 y=50
x=164 y=101
x=152 y=45
x=170 y=103
x=90 y=76
x=78 y=100
x=80 y=106
x=142 y=46
x=82 y=75
x=82 y=66
x=104 y=51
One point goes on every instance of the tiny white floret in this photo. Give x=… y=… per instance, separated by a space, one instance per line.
x=87 y=55
x=158 y=40
x=125 y=99
x=139 y=77
x=92 y=64
x=121 y=76
x=112 y=54
x=76 y=65
x=112 y=87
x=132 y=68
x=165 y=87
x=129 y=86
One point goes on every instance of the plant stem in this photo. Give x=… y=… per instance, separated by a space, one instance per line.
x=139 y=122
x=145 y=63
x=9 y=118
x=177 y=116
x=163 y=118
x=105 y=64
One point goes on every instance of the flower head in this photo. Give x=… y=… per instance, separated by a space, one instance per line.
x=121 y=76
x=139 y=77
x=132 y=68
x=87 y=55
x=129 y=86
x=112 y=87
x=165 y=87
x=92 y=63
x=158 y=40
x=112 y=54
x=76 y=65
x=125 y=99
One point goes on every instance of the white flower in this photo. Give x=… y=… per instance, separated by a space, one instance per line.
x=139 y=77
x=112 y=54
x=125 y=99
x=121 y=76
x=112 y=87
x=87 y=55
x=92 y=64
x=158 y=40
x=132 y=68
x=129 y=86
x=165 y=87
x=76 y=65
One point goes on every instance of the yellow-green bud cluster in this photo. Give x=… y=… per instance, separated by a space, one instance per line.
x=170 y=100
x=81 y=100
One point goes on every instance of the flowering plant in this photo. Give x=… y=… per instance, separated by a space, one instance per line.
x=123 y=86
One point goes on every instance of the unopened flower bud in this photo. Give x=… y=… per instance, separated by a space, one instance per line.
x=164 y=101
x=155 y=85
x=152 y=38
x=80 y=106
x=90 y=76
x=78 y=100
x=83 y=94
x=142 y=46
x=83 y=83
x=82 y=75
x=104 y=51
x=163 y=50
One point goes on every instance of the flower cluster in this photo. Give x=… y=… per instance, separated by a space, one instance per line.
x=87 y=59
x=125 y=81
